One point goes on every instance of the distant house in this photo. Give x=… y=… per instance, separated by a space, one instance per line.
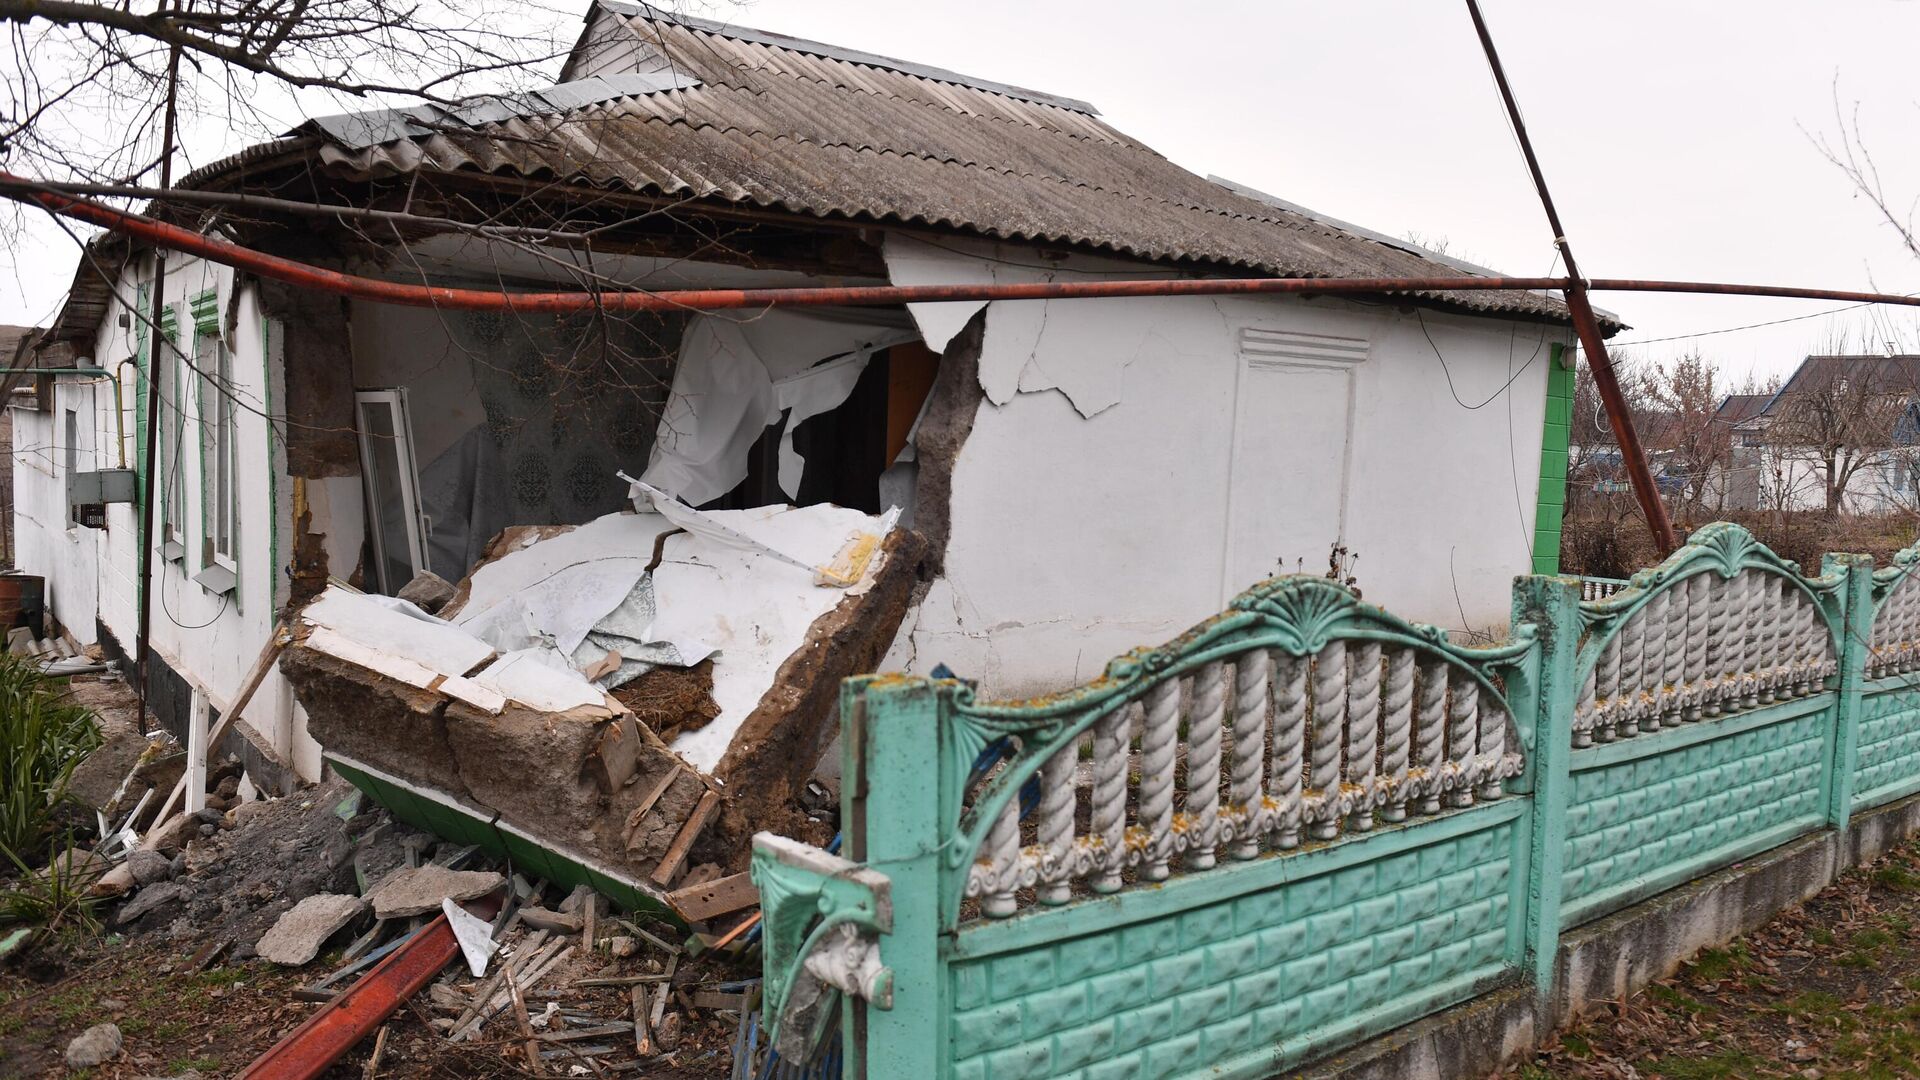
x=1841 y=435
x=1738 y=480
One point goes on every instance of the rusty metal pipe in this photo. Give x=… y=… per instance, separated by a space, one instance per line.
x=1592 y=342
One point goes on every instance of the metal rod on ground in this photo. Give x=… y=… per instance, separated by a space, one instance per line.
x=330 y=1032
x=1605 y=380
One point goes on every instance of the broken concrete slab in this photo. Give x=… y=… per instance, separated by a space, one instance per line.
x=419 y=890
x=428 y=591
x=297 y=937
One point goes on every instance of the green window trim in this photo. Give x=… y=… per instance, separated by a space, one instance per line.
x=172 y=410
x=205 y=306
x=1551 y=505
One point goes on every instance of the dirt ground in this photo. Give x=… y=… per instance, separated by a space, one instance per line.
x=1826 y=991
x=238 y=873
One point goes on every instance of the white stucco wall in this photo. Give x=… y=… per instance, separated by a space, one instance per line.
x=210 y=639
x=1138 y=462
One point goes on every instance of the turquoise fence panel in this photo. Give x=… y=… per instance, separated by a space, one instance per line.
x=1887 y=762
x=1705 y=723
x=1289 y=957
x=1307 y=821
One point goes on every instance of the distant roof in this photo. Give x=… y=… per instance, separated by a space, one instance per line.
x=775 y=122
x=1897 y=374
x=1735 y=408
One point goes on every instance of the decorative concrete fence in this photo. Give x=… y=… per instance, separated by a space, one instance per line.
x=1307 y=822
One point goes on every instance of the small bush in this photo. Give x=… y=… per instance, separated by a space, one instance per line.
x=42 y=738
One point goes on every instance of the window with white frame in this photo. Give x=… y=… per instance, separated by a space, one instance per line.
x=70 y=456
x=173 y=425
x=219 y=502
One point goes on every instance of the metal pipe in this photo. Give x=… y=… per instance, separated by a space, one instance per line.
x=1605 y=379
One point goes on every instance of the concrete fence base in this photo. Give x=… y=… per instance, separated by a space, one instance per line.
x=1612 y=957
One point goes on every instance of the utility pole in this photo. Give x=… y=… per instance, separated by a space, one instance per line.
x=1605 y=380
x=155 y=366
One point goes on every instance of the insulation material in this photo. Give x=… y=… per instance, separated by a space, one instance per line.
x=736 y=377
x=540 y=679
x=416 y=637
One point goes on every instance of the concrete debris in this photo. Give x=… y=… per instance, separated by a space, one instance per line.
x=419 y=890
x=97 y=1045
x=151 y=899
x=149 y=867
x=428 y=591
x=296 y=939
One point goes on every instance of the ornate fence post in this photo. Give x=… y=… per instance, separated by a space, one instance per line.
x=891 y=816
x=1856 y=630
x=1552 y=606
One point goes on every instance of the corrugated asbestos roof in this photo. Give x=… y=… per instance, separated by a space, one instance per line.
x=777 y=123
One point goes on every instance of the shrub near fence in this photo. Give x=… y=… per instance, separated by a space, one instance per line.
x=1307 y=822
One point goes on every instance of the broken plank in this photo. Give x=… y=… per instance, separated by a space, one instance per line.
x=714 y=999
x=257 y=675
x=676 y=855
x=658 y=943
x=576 y=1034
x=642 y=1031
x=619 y=980
x=722 y=896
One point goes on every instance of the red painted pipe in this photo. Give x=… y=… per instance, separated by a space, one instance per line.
x=301 y=274
x=308 y=1049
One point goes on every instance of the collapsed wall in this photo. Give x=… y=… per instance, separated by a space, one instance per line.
x=502 y=703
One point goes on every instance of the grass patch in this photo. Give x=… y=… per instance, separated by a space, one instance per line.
x=1726 y=1063
x=1714 y=965
x=1678 y=1000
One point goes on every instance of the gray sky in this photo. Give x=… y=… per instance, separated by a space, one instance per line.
x=1675 y=136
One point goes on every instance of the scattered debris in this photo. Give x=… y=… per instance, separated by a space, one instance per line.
x=297 y=937
x=420 y=889
x=97 y=1045
x=556 y=921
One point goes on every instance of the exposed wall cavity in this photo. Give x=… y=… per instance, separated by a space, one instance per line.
x=951 y=407
x=319 y=378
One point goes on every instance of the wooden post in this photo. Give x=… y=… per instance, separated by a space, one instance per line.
x=199 y=713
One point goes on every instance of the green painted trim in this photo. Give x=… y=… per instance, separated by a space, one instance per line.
x=463 y=823
x=205 y=306
x=1631 y=892
x=143 y=474
x=1551 y=496
x=1884 y=794
x=1654 y=744
x=1890 y=684
x=1037 y=926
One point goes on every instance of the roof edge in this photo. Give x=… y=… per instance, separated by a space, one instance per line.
x=836 y=52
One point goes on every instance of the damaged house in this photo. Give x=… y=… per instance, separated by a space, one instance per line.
x=658 y=542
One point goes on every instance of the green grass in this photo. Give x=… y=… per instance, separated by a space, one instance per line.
x=1713 y=965
x=1679 y=1000
x=1726 y=1063
x=1897 y=877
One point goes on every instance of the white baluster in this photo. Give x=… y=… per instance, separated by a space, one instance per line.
x=1329 y=726
x=1673 y=690
x=1003 y=854
x=1285 y=777
x=1396 y=731
x=1363 y=728
x=1430 y=733
x=1158 y=738
x=1608 y=689
x=1583 y=712
x=1493 y=747
x=1654 y=665
x=1107 y=817
x=1633 y=638
x=1204 y=727
x=1053 y=828
x=1463 y=731
x=1753 y=592
x=1699 y=622
x=1719 y=630
x=1772 y=654
x=1249 y=751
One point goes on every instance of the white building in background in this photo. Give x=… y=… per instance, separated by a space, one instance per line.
x=1090 y=475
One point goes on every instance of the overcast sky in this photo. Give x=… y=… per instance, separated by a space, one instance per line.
x=1675 y=136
